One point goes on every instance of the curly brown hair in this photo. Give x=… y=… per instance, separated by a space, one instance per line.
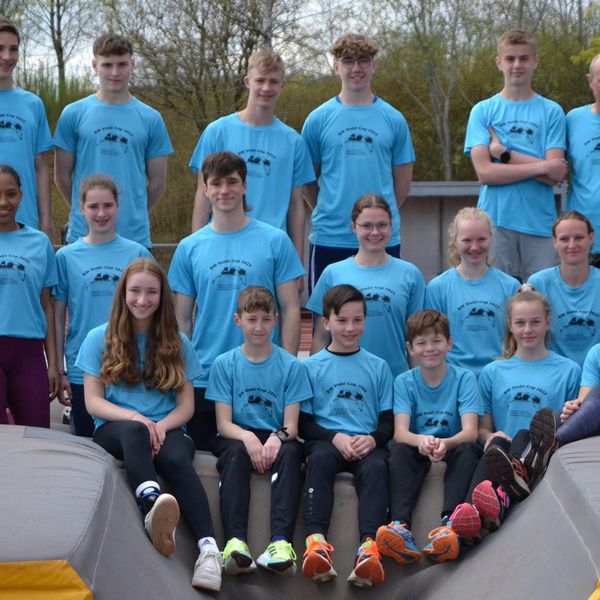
x=163 y=365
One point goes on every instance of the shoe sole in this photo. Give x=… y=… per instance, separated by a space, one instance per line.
x=367 y=573
x=542 y=435
x=443 y=549
x=486 y=502
x=200 y=583
x=238 y=563
x=466 y=521
x=163 y=523
x=284 y=567
x=392 y=545
x=318 y=568
x=503 y=473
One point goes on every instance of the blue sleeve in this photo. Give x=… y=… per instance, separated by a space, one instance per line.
x=315 y=302
x=287 y=263
x=385 y=391
x=402 y=151
x=51 y=275
x=220 y=384
x=417 y=297
x=65 y=134
x=485 y=390
x=310 y=133
x=591 y=367
x=89 y=359
x=193 y=368
x=303 y=168
x=402 y=398
x=60 y=291
x=297 y=387
x=434 y=297
x=159 y=143
x=478 y=133
x=181 y=277
x=557 y=129
x=206 y=145
x=468 y=395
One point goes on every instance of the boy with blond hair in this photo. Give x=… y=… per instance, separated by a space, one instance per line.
x=257 y=388
x=276 y=155
x=516 y=141
x=359 y=144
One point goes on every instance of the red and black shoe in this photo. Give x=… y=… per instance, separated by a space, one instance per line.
x=508 y=472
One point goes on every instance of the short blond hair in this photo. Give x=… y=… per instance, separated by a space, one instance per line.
x=354 y=45
x=266 y=61
x=467 y=213
x=517 y=37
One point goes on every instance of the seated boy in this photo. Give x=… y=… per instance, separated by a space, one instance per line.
x=346 y=427
x=436 y=407
x=257 y=388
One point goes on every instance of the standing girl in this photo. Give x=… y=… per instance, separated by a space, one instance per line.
x=88 y=272
x=572 y=288
x=393 y=288
x=27 y=274
x=472 y=293
x=138 y=387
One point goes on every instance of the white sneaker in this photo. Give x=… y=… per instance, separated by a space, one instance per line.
x=207 y=571
x=160 y=524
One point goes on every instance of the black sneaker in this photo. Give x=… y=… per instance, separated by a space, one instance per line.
x=542 y=435
x=508 y=472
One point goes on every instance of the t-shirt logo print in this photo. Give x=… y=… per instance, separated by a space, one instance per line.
x=377 y=304
x=522 y=132
x=359 y=139
x=115 y=144
x=231 y=278
x=579 y=329
x=9 y=130
x=257 y=407
x=477 y=314
x=262 y=164
x=15 y=267
x=351 y=400
x=522 y=397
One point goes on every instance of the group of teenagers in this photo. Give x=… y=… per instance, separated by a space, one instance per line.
x=204 y=358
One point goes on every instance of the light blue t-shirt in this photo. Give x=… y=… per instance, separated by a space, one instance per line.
x=513 y=390
x=349 y=391
x=532 y=127
x=583 y=151
x=214 y=267
x=393 y=292
x=118 y=140
x=356 y=148
x=276 y=157
x=436 y=410
x=24 y=133
x=476 y=310
x=575 y=324
x=27 y=266
x=591 y=367
x=87 y=280
x=153 y=404
x=258 y=392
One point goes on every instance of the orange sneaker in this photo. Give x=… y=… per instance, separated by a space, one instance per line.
x=368 y=568
x=397 y=542
x=444 y=544
x=317 y=563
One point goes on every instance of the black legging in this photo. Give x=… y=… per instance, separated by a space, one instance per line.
x=129 y=441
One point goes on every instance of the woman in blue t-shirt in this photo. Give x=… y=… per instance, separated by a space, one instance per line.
x=88 y=272
x=472 y=293
x=27 y=274
x=572 y=288
x=138 y=387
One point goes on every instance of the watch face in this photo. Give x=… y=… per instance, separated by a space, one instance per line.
x=505 y=156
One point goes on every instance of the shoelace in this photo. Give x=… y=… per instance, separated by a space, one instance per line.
x=274 y=548
x=318 y=546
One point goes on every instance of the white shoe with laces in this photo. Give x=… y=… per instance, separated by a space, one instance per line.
x=207 y=570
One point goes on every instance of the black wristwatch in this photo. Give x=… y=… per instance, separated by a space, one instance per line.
x=505 y=156
x=281 y=433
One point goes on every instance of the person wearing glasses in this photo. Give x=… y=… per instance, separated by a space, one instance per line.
x=393 y=288
x=359 y=144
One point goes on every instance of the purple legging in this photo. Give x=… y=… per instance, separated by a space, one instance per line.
x=24 y=382
x=584 y=423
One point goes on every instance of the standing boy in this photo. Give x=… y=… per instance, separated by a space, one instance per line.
x=359 y=144
x=436 y=410
x=346 y=427
x=583 y=133
x=24 y=136
x=112 y=132
x=276 y=155
x=257 y=388
x=213 y=265
x=516 y=140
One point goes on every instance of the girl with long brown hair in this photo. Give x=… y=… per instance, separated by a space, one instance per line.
x=138 y=372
